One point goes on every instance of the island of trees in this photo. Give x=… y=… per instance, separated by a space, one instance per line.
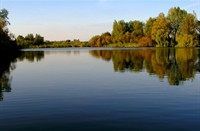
x=177 y=29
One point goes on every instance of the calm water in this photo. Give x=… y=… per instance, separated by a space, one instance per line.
x=102 y=90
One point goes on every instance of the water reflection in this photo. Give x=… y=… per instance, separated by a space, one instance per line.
x=31 y=56
x=177 y=64
x=7 y=64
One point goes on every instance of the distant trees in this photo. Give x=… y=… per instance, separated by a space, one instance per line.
x=178 y=29
x=29 y=40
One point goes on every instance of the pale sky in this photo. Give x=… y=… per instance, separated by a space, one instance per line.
x=82 y=19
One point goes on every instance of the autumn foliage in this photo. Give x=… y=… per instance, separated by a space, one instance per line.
x=177 y=29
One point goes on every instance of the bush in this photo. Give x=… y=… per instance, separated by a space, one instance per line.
x=145 y=42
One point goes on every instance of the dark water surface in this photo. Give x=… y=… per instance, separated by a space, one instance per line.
x=102 y=90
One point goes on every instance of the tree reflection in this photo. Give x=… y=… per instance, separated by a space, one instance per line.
x=31 y=56
x=7 y=64
x=178 y=65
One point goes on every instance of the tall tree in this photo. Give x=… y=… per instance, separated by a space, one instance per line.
x=175 y=17
x=148 y=26
x=6 y=39
x=119 y=29
x=187 y=35
x=136 y=30
x=38 y=40
x=3 y=18
x=160 y=31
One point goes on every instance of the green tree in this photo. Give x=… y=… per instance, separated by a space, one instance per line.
x=136 y=30
x=93 y=41
x=160 y=31
x=30 y=40
x=6 y=39
x=126 y=37
x=99 y=41
x=186 y=40
x=20 y=38
x=175 y=17
x=148 y=26
x=119 y=29
x=106 y=38
x=4 y=36
x=3 y=18
x=20 y=41
x=29 y=37
x=148 y=29
x=38 y=40
x=187 y=35
x=125 y=32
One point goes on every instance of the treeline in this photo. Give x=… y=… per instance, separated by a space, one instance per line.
x=7 y=40
x=29 y=40
x=63 y=44
x=37 y=41
x=178 y=29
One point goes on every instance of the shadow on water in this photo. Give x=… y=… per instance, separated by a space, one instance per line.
x=7 y=64
x=178 y=65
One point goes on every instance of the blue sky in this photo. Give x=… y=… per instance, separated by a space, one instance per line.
x=82 y=19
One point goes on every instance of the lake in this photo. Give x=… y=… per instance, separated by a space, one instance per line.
x=101 y=89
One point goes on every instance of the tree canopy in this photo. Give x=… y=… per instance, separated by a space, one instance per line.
x=177 y=29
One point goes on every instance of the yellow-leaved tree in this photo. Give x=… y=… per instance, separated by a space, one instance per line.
x=160 y=31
